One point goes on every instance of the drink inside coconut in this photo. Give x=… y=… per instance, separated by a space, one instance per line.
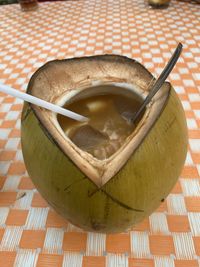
x=110 y=110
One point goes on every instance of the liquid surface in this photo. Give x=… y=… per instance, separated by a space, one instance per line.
x=109 y=123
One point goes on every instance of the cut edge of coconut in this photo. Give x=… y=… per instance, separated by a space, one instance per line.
x=101 y=171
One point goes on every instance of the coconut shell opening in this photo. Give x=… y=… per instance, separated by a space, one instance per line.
x=60 y=81
x=109 y=109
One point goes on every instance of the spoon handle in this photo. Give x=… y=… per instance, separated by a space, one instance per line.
x=161 y=79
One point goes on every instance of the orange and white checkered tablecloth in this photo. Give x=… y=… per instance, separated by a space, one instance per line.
x=31 y=233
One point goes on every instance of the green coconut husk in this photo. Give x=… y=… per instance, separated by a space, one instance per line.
x=121 y=192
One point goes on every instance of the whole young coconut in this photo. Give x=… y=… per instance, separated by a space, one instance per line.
x=112 y=194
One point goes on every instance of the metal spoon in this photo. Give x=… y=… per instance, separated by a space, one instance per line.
x=157 y=85
x=159 y=82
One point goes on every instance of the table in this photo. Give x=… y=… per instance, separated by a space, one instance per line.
x=31 y=233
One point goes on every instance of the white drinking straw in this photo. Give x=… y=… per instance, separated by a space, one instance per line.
x=41 y=103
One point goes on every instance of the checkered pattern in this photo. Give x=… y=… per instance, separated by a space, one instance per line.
x=31 y=233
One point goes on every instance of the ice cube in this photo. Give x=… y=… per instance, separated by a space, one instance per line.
x=126 y=115
x=86 y=137
x=126 y=105
x=96 y=106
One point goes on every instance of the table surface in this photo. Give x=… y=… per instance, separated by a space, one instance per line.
x=31 y=233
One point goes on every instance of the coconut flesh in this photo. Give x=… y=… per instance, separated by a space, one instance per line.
x=107 y=195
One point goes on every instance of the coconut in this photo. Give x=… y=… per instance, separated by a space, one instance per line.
x=113 y=194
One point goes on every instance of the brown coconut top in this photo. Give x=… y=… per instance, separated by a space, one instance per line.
x=60 y=80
